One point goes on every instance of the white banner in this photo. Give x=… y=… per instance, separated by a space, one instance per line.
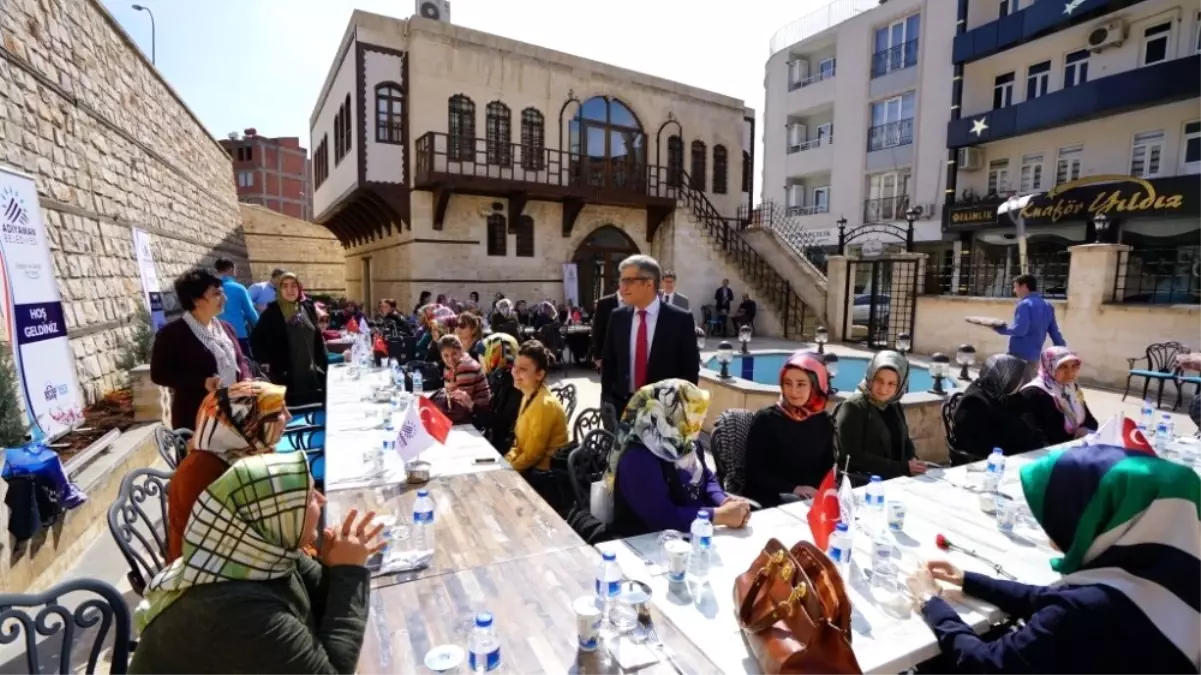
x=33 y=312
x=150 y=289
x=571 y=285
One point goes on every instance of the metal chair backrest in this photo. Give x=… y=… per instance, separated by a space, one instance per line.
x=138 y=522
x=587 y=463
x=567 y=396
x=1161 y=356
x=589 y=419
x=728 y=444
x=44 y=615
x=172 y=445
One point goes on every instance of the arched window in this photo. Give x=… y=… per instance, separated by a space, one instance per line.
x=346 y=126
x=698 y=165
x=747 y=167
x=497 y=235
x=607 y=144
x=675 y=161
x=533 y=140
x=389 y=113
x=498 y=132
x=720 y=169
x=460 y=127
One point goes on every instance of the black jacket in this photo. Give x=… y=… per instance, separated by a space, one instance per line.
x=270 y=344
x=1042 y=414
x=673 y=352
x=600 y=322
x=982 y=424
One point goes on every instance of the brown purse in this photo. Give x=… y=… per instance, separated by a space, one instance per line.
x=794 y=611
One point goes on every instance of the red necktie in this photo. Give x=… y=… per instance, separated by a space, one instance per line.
x=640 y=352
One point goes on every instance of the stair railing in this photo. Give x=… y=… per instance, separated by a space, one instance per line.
x=772 y=216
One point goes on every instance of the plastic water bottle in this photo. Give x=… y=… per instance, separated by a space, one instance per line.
x=1147 y=414
x=483 y=647
x=994 y=470
x=702 y=547
x=418 y=382
x=884 y=569
x=398 y=375
x=608 y=581
x=423 y=522
x=1163 y=437
x=839 y=547
x=874 y=499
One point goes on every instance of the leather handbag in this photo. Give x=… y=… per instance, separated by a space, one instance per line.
x=794 y=611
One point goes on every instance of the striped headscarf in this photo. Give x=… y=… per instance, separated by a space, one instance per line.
x=1130 y=521
x=239 y=420
x=246 y=526
x=500 y=351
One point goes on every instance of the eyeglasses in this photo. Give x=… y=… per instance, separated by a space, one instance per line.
x=629 y=281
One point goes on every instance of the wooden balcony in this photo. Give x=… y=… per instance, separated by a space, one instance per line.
x=446 y=165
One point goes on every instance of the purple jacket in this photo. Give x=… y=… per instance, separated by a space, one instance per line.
x=180 y=361
x=654 y=501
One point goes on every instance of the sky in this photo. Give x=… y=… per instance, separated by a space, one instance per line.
x=261 y=63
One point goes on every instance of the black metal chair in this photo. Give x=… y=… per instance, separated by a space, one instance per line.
x=566 y=394
x=138 y=522
x=609 y=417
x=728 y=444
x=589 y=419
x=101 y=615
x=1161 y=366
x=958 y=457
x=172 y=445
x=587 y=463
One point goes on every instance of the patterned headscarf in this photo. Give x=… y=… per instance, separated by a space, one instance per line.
x=437 y=318
x=819 y=385
x=1000 y=376
x=1129 y=521
x=1069 y=398
x=666 y=417
x=246 y=526
x=548 y=308
x=890 y=360
x=500 y=351
x=237 y=421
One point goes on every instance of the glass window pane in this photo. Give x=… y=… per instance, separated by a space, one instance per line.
x=594 y=141
x=881 y=39
x=897 y=34
x=594 y=109
x=621 y=116
x=912 y=27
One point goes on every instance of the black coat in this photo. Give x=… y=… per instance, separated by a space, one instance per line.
x=270 y=344
x=600 y=322
x=1042 y=414
x=982 y=424
x=673 y=352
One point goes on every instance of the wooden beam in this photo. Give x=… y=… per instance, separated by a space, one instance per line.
x=655 y=215
x=441 y=201
x=571 y=211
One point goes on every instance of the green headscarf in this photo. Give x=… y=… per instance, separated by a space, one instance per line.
x=288 y=307
x=894 y=361
x=246 y=526
x=666 y=417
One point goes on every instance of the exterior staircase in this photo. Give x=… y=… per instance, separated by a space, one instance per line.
x=791 y=249
x=773 y=291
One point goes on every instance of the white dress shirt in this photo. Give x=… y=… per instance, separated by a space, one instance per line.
x=652 y=318
x=667 y=298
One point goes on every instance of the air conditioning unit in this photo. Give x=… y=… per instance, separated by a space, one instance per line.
x=438 y=10
x=970 y=159
x=1106 y=35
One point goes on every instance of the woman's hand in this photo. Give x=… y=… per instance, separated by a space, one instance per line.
x=462 y=398
x=917 y=467
x=946 y=572
x=1083 y=431
x=805 y=491
x=212 y=384
x=922 y=587
x=732 y=513
x=353 y=543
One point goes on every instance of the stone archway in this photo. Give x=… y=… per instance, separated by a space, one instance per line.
x=597 y=259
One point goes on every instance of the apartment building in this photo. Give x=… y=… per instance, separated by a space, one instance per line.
x=1091 y=111
x=855 y=118
x=271 y=172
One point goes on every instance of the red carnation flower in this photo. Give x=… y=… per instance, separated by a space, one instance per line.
x=942 y=542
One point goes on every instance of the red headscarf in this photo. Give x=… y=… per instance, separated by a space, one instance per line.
x=819 y=384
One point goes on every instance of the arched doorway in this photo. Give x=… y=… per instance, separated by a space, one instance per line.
x=597 y=259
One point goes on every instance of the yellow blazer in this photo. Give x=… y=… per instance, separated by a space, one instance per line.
x=541 y=429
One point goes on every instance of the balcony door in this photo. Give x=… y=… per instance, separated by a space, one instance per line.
x=886 y=197
x=608 y=145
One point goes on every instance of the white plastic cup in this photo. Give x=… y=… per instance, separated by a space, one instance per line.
x=677 y=551
x=588 y=617
x=896 y=515
x=1007 y=514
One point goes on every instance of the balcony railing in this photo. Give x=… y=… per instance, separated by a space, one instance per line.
x=810 y=210
x=440 y=157
x=885 y=209
x=991 y=276
x=890 y=135
x=901 y=56
x=814 y=78
x=1159 y=276
x=811 y=144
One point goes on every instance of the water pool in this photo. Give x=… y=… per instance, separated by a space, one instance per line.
x=764 y=368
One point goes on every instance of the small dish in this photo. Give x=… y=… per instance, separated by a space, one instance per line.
x=418 y=472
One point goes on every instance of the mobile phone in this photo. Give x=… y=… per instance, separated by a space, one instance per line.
x=485 y=460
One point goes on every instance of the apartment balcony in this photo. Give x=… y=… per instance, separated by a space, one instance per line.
x=890 y=145
x=814 y=91
x=885 y=209
x=1144 y=87
x=1035 y=21
x=810 y=157
x=449 y=165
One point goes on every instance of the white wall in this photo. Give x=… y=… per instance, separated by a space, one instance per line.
x=344 y=176
x=385 y=161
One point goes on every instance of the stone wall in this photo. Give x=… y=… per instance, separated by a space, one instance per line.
x=111 y=147
x=308 y=249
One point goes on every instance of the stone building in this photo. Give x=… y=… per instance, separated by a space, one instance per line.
x=451 y=160
x=112 y=147
x=310 y=250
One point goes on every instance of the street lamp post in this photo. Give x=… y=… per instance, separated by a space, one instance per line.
x=141 y=8
x=1100 y=224
x=911 y=215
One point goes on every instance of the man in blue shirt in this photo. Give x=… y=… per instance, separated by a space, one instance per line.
x=239 y=310
x=1033 y=321
x=263 y=293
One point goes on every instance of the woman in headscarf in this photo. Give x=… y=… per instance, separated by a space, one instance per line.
x=244 y=419
x=657 y=473
x=790 y=447
x=990 y=416
x=288 y=341
x=469 y=328
x=871 y=424
x=1054 y=402
x=545 y=313
x=500 y=353
x=504 y=319
x=1129 y=527
x=435 y=319
x=243 y=597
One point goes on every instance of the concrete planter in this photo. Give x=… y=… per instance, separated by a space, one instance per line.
x=151 y=403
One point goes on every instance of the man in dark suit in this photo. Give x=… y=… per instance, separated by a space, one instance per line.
x=647 y=340
x=600 y=323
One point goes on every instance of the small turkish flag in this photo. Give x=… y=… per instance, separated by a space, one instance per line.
x=824 y=512
x=1122 y=432
x=424 y=426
